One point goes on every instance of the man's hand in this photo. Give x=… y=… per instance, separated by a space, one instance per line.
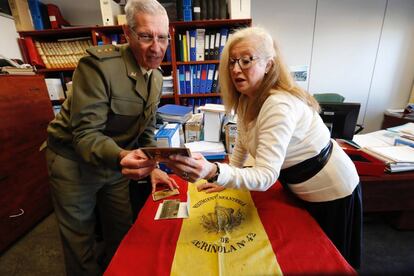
x=160 y=177
x=135 y=164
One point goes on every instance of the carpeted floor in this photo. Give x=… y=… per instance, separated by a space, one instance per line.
x=386 y=251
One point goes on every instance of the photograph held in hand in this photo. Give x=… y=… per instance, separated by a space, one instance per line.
x=163 y=154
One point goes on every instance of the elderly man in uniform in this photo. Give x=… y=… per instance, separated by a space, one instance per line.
x=108 y=116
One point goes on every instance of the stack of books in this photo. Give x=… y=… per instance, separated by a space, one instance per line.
x=18 y=70
x=167 y=85
x=172 y=113
x=210 y=150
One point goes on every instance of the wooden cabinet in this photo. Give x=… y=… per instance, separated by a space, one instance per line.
x=108 y=34
x=396 y=119
x=25 y=111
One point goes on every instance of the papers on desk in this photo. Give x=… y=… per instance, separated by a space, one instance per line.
x=406 y=134
x=210 y=150
x=381 y=144
x=407 y=129
x=397 y=158
x=393 y=153
x=380 y=138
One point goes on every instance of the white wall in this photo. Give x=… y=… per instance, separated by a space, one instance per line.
x=8 y=42
x=394 y=70
x=363 y=50
x=291 y=23
x=345 y=48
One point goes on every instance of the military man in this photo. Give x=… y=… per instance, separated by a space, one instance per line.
x=108 y=116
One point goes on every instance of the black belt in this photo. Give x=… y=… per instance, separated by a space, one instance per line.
x=306 y=169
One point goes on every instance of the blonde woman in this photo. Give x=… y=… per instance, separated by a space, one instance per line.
x=280 y=126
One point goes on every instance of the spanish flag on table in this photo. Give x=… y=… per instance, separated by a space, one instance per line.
x=228 y=233
x=223 y=237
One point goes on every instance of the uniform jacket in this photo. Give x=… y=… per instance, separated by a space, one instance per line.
x=108 y=109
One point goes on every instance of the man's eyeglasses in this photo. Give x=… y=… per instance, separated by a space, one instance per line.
x=148 y=38
x=244 y=62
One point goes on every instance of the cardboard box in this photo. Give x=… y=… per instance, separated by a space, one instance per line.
x=168 y=136
x=213 y=119
x=239 y=9
x=55 y=89
x=194 y=128
x=231 y=135
x=212 y=126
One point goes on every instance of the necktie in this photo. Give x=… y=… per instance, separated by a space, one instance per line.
x=147 y=82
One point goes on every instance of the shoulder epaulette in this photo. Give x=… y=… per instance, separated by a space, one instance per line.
x=160 y=69
x=104 y=51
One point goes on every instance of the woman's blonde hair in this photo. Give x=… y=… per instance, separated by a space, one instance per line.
x=277 y=78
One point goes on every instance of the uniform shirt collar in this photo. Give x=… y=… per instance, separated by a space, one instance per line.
x=145 y=71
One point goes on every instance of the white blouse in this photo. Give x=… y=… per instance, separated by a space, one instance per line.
x=287 y=132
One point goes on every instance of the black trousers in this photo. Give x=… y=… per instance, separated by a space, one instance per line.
x=341 y=220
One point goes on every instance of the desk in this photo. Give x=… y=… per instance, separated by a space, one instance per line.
x=391 y=192
x=299 y=244
x=392 y=119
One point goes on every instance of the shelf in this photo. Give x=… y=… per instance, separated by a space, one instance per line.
x=207 y=95
x=211 y=23
x=86 y=30
x=198 y=62
x=44 y=70
x=167 y=96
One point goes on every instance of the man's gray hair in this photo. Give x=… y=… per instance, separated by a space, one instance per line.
x=133 y=7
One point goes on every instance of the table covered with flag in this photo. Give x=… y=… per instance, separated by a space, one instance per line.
x=228 y=233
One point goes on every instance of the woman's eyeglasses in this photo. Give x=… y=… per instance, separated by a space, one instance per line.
x=148 y=38
x=244 y=62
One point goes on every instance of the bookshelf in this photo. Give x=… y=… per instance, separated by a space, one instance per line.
x=107 y=34
x=197 y=96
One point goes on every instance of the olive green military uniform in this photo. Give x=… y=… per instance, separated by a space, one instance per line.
x=109 y=109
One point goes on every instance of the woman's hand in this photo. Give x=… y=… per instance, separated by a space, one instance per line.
x=160 y=177
x=210 y=188
x=135 y=164
x=191 y=168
